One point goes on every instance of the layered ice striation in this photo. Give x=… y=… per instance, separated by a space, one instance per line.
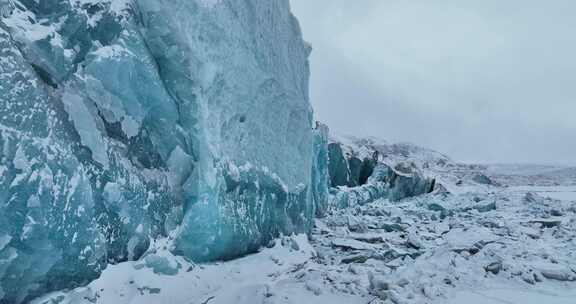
x=122 y=121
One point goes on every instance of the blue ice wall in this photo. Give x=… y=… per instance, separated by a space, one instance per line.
x=239 y=70
x=123 y=121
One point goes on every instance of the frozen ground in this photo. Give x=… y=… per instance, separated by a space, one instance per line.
x=275 y=275
x=565 y=193
x=478 y=245
x=503 y=296
x=532 y=175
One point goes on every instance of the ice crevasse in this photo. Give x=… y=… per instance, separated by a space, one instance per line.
x=124 y=121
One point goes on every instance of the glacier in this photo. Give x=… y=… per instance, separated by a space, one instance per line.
x=155 y=151
x=126 y=121
x=126 y=124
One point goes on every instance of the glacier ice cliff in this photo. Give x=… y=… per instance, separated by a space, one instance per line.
x=123 y=121
x=250 y=116
x=127 y=121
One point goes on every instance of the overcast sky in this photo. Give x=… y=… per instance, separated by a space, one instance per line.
x=480 y=80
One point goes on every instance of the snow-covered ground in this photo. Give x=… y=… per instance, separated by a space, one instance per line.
x=565 y=193
x=480 y=244
x=532 y=175
x=511 y=295
x=275 y=275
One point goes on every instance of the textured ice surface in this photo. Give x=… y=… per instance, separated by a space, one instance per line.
x=248 y=69
x=72 y=201
x=124 y=121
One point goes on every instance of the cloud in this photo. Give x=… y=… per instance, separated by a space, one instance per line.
x=488 y=81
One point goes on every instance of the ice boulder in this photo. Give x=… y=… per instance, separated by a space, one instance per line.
x=338 y=166
x=347 y=167
x=400 y=182
x=483 y=179
x=358 y=175
x=406 y=180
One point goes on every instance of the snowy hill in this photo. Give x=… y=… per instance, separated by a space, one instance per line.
x=392 y=152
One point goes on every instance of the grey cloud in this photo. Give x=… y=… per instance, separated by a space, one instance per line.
x=483 y=81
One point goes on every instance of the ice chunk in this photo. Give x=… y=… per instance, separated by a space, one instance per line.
x=320 y=170
x=358 y=176
x=338 y=166
x=160 y=264
x=406 y=180
x=86 y=126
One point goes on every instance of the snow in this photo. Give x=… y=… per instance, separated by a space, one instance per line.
x=111 y=51
x=391 y=153
x=514 y=296
x=274 y=275
x=29 y=28
x=116 y=6
x=564 y=193
x=381 y=252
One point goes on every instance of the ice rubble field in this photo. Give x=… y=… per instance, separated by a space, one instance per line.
x=480 y=245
